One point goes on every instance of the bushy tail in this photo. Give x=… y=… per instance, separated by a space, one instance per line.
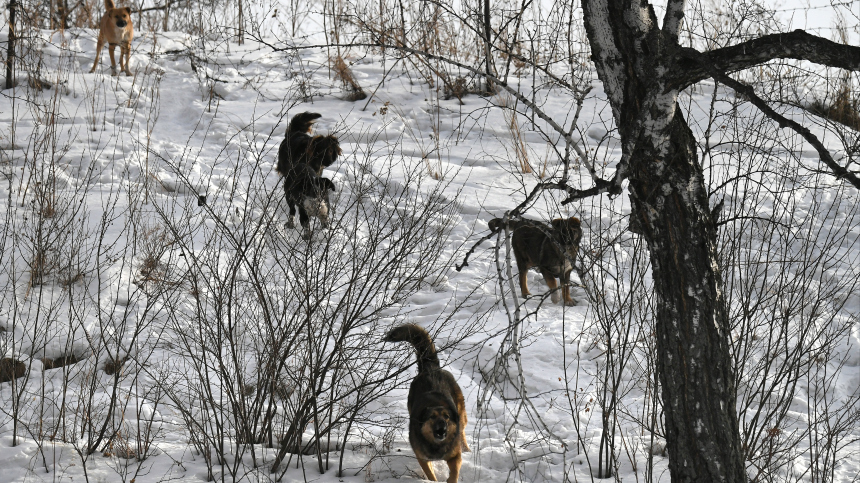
x=302 y=122
x=420 y=339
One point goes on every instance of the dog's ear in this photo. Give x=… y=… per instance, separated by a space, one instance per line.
x=128 y=10
x=558 y=224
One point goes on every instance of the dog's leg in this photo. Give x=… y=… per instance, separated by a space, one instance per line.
x=454 y=468
x=291 y=223
x=464 y=446
x=124 y=53
x=565 y=290
x=524 y=283
x=428 y=470
x=553 y=286
x=111 y=48
x=100 y=44
x=304 y=219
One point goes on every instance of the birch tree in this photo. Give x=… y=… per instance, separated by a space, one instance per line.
x=643 y=68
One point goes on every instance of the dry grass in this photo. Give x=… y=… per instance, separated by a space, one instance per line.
x=519 y=143
x=843 y=108
x=351 y=88
x=458 y=88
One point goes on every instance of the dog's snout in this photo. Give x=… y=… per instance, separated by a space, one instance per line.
x=440 y=429
x=120 y=23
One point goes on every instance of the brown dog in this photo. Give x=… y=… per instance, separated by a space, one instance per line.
x=552 y=249
x=115 y=28
x=437 y=410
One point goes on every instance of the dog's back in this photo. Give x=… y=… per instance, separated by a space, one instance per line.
x=536 y=244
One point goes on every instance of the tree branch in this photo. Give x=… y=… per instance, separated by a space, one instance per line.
x=798 y=45
x=673 y=18
x=839 y=171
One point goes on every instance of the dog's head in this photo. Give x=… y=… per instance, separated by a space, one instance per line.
x=568 y=230
x=119 y=16
x=438 y=424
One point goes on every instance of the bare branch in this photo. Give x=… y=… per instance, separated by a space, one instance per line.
x=798 y=45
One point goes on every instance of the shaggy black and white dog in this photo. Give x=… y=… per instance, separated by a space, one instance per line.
x=309 y=192
x=299 y=147
x=301 y=159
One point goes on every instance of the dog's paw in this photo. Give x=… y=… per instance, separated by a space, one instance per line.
x=290 y=223
x=307 y=235
x=555 y=297
x=570 y=303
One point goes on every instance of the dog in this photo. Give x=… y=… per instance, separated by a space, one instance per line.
x=437 y=410
x=552 y=248
x=305 y=189
x=115 y=28
x=300 y=147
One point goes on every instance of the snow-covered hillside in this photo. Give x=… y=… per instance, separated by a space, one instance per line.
x=144 y=246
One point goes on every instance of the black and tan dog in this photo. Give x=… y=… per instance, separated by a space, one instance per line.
x=437 y=410
x=115 y=29
x=299 y=147
x=550 y=248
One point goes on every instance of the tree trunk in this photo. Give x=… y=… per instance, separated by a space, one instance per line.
x=488 y=53
x=241 y=22
x=670 y=211
x=693 y=359
x=10 y=49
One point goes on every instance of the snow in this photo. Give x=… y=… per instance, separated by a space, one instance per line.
x=131 y=155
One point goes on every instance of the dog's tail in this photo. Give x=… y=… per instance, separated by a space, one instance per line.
x=420 y=340
x=300 y=122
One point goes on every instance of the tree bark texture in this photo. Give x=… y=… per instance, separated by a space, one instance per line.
x=671 y=211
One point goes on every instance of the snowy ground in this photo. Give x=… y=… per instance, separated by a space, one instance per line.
x=131 y=154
